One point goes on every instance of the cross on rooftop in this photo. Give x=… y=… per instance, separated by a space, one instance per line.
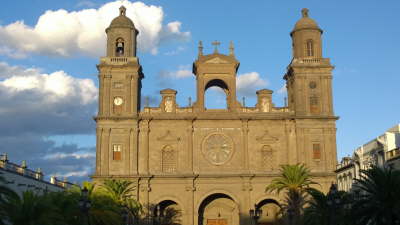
x=216 y=44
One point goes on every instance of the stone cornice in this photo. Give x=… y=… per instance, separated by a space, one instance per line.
x=230 y=116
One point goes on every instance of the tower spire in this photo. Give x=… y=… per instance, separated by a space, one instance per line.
x=231 y=49
x=200 y=48
x=304 y=12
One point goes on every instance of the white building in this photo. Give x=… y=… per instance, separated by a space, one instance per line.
x=19 y=178
x=381 y=151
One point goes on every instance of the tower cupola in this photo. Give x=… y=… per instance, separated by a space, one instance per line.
x=121 y=36
x=306 y=37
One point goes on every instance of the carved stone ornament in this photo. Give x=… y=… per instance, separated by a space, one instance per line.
x=216 y=61
x=217 y=148
x=168 y=104
x=168 y=137
x=266 y=138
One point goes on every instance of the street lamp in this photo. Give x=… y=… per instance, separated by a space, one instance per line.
x=255 y=213
x=334 y=202
x=85 y=204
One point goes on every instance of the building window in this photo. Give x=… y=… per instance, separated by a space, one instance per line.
x=117 y=152
x=316 y=151
x=314 y=104
x=168 y=160
x=267 y=158
x=310 y=48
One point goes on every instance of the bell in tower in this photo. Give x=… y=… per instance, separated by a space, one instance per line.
x=121 y=36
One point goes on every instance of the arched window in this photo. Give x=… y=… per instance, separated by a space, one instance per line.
x=310 y=48
x=119 y=47
x=168 y=156
x=216 y=95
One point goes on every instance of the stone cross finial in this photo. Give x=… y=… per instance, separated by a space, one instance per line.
x=304 y=12
x=231 y=48
x=200 y=48
x=216 y=44
x=122 y=11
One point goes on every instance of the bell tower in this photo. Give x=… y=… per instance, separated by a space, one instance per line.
x=120 y=76
x=218 y=70
x=309 y=75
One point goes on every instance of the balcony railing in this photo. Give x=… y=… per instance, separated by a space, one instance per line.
x=117 y=60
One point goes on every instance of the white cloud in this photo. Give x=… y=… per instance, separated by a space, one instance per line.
x=53 y=87
x=248 y=83
x=64 y=33
x=182 y=72
x=282 y=90
x=32 y=97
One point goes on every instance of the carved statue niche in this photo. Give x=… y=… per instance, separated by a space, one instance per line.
x=268 y=156
x=169 y=152
x=264 y=100
x=168 y=102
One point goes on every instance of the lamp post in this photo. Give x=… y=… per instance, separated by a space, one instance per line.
x=255 y=214
x=334 y=202
x=85 y=204
x=290 y=212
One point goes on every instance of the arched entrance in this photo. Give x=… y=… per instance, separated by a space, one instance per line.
x=218 y=209
x=270 y=212
x=168 y=212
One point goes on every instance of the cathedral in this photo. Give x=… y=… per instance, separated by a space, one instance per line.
x=214 y=164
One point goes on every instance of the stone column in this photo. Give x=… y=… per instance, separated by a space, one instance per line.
x=99 y=133
x=107 y=95
x=245 y=132
x=144 y=150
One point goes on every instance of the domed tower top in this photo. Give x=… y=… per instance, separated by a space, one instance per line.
x=121 y=36
x=306 y=36
x=306 y=22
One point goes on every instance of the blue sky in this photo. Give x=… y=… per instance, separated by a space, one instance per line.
x=52 y=127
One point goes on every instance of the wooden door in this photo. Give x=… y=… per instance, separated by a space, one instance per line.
x=217 y=222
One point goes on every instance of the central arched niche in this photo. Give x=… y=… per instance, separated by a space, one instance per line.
x=270 y=212
x=218 y=209
x=219 y=85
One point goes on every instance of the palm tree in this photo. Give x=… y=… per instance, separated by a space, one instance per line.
x=295 y=180
x=379 y=200
x=28 y=209
x=121 y=192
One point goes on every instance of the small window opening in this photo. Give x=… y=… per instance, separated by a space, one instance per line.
x=316 y=151
x=117 y=152
x=120 y=47
x=310 y=48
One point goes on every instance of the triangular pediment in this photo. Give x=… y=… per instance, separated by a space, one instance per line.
x=266 y=138
x=168 y=137
x=217 y=60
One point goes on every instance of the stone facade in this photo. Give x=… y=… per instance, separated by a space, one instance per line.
x=381 y=151
x=214 y=164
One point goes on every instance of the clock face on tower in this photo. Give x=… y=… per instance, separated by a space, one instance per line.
x=118 y=101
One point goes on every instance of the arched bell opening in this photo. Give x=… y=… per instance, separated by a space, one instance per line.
x=216 y=95
x=270 y=209
x=120 y=47
x=218 y=209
